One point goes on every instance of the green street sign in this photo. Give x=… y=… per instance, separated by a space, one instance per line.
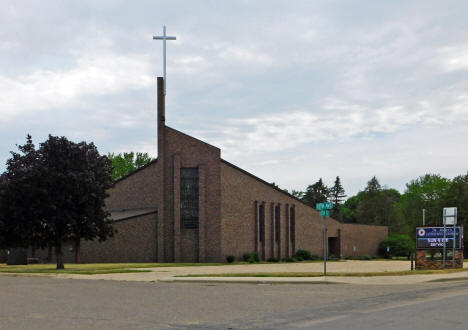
x=325 y=213
x=324 y=206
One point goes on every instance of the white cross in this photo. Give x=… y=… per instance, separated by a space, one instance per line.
x=164 y=38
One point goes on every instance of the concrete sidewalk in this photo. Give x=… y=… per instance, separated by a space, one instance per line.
x=173 y=274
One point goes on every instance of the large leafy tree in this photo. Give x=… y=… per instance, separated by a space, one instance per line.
x=62 y=185
x=375 y=205
x=21 y=199
x=124 y=163
x=316 y=193
x=424 y=192
x=457 y=195
x=348 y=209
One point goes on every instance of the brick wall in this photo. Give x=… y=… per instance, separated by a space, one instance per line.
x=135 y=241
x=138 y=190
x=359 y=240
x=243 y=193
x=240 y=192
x=426 y=263
x=202 y=244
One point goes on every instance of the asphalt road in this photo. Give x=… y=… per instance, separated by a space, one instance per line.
x=51 y=303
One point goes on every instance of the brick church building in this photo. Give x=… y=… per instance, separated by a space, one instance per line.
x=190 y=205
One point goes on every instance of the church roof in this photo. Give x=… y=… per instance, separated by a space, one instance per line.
x=137 y=170
x=125 y=214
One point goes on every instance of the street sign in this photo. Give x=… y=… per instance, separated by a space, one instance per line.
x=324 y=206
x=324 y=209
x=325 y=213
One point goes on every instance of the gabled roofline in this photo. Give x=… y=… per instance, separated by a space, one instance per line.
x=267 y=183
x=135 y=216
x=194 y=138
x=135 y=171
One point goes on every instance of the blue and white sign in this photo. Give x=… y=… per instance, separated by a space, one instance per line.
x=433 y=237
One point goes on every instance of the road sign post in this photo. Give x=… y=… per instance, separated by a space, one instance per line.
x=324 y=209
x=449 y=218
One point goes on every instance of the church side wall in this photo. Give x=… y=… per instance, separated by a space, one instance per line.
x=240 y=192
x=137 y=190
x=135 y=241
x=359 y=240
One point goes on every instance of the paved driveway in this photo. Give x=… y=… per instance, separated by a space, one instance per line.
x=50 y=303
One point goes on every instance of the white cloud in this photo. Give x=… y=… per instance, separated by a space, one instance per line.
x=455 y=58
x=97 y=74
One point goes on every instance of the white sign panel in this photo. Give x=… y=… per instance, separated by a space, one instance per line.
x=450 y=215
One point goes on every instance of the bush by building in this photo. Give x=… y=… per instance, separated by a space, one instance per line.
x=397 y=245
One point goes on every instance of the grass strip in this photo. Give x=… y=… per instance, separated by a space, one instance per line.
x=107 y=268
x=319 y=274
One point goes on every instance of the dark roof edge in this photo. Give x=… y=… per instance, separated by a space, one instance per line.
x=361 y=224
x=135 y=171
x=135 y=216
x=267 y=183
x=210 y=145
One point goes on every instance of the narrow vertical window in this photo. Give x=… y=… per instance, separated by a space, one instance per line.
x=293 y=225
x=189 y=198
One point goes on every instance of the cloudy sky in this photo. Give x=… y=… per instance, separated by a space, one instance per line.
x=290 y=90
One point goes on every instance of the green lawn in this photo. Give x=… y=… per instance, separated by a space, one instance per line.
x=91 y=269
x=318 y=274
x=107 y=268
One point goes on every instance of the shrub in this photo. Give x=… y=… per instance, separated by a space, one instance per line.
x=251 y=257
x=230 y=259
x=298 y=258
x=273 y=259
x=288 y=259
x=304 y=254
x=367 y=257
x=315 y=257
x=399 y=245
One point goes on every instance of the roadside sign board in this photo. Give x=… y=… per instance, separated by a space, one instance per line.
x=324 y=206
x=325 y=213
x=450 y=216
x=433 y=237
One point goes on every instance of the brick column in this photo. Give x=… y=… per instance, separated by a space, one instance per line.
x=176 y=188
x=161 y=167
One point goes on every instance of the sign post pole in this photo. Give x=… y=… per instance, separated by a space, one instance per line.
x=443 y=256
x=454 y=239
x=324 y=246
x=324 y=209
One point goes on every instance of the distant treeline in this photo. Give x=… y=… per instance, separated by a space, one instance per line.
x=380 y=205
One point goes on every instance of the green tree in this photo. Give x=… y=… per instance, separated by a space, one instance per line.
x=20 y=199
x=378 y=206
x=316 y=193
x=424 y=192
x=127 y=162
x=457 y=195
x=348 y=209
x=337 y=195
x=57 y=193
x=297 y=194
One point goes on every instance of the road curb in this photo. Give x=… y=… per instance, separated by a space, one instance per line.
x=281 y=280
